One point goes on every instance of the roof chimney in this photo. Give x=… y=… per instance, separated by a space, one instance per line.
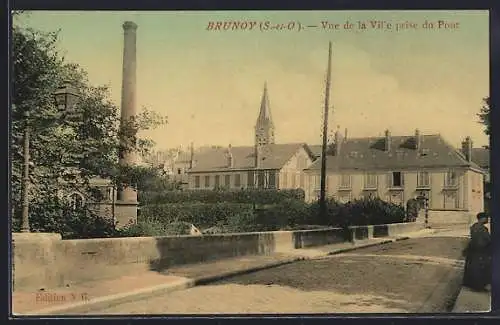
x=387 y=142
x=338 y=141
x=467 y=149
x=345 y=134
x=229 y=156
x=191 y=157
x=418 y=140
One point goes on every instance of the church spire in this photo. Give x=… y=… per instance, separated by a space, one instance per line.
x=264 y=128
x=265 y=110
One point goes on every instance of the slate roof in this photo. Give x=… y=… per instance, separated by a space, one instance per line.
x=481 y=157
x=275 y=157
x=368 y=153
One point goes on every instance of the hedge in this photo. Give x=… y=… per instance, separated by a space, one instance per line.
x=200 y=214
x=290 y=213
x=253 y=196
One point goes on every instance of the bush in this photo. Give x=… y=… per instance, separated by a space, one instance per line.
x=202 y=215
x=56 y=216
x=244 y=221
x=250 y=196
x=370 y=211
x=286 y=213
x=151 y=228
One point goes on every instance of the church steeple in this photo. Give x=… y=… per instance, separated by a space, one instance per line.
x=264 y=128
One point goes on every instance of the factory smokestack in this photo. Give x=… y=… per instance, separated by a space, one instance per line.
x=126 y=205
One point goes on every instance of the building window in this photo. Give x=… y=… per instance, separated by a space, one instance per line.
x=294 y=179
x=423 y=179
x=396 y=179
x=261 y=179
x=345 y=181
x=227 y=180
x=207 y=181
x=301 y=180
x=119 y=193
x=370 y=181
x=451 y=178
x=217 y=181
x=237 y=180
x=451 y=200
x=272 y=179
x=76 y=201
x=179 y=171
x=251 y=178
x=315 y=182
x=285 y=177
x=197 y=181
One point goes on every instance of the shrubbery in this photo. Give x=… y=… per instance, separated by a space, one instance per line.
x=254 y=196
x=166 y=219
x=287 y=214
x=200 y=214
x=56 y=216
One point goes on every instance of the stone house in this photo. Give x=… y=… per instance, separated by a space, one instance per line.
x=397 y=168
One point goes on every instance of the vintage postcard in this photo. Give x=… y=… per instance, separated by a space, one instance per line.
x=250 y=162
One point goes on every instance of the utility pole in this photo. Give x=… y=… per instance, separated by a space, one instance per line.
x=322 y=198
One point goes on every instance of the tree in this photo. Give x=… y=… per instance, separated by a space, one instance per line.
x=67 y=148
x=484 y=115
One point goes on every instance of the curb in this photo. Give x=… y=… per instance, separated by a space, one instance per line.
x=213 y=278
x=383 y=242
x=450 y=286
x=116 y=299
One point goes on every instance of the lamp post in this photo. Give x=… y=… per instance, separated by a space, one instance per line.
x=25 y=226
x=65 y=98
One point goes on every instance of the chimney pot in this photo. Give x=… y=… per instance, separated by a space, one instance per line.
x=387 y=140
x=467 y=148
x=338 y=140
x=418 y=140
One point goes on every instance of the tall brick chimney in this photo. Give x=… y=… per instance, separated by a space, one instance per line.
x=126 y=204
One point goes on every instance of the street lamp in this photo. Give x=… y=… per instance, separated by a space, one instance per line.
x=66 y=97
x=25 y=226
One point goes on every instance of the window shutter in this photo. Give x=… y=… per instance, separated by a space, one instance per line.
x=402 y=179
x=389 y=180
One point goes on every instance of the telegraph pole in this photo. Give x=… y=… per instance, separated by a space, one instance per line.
x=322 y=198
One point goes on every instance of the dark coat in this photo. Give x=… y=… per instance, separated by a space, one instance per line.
x=477 y=273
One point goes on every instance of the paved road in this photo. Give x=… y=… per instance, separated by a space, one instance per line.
x=415 y=275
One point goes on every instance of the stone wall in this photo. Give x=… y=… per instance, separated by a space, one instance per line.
x=47 y=261
x=437 y=217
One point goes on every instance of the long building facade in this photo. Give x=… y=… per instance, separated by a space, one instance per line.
x=399 y=168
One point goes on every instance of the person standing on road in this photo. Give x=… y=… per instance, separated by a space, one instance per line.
x=477 y=273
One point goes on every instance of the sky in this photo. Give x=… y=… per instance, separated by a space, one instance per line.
x=209 y=83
